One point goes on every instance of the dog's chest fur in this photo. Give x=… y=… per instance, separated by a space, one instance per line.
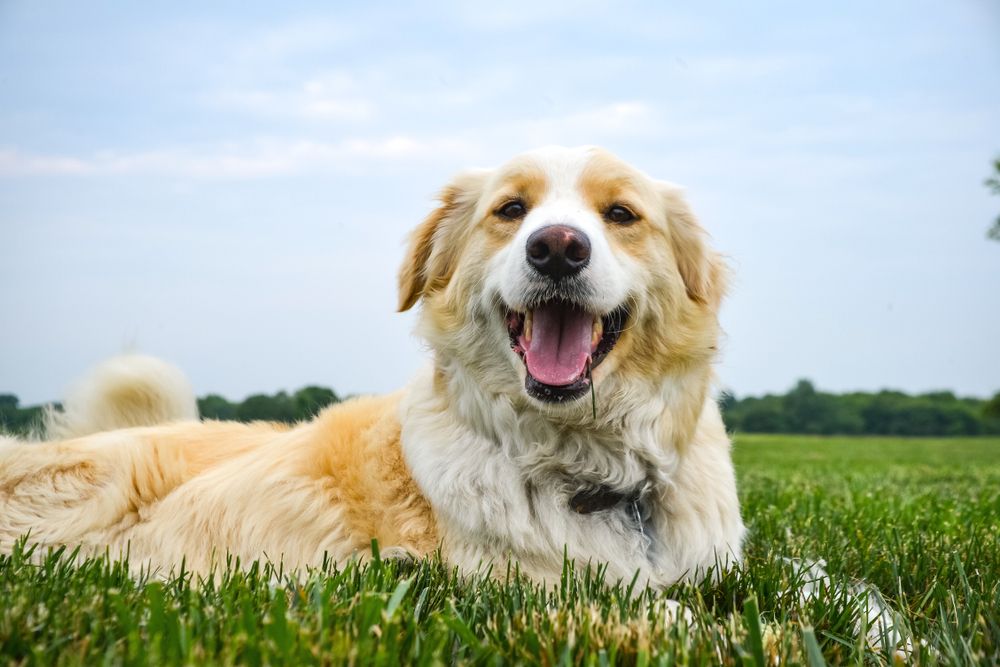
x=511 y=485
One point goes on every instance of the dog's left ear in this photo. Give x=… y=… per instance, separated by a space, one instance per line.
x=702 y=269
x=434 y=245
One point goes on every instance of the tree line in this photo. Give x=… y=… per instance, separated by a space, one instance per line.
x=280 y=407
x=803 y=409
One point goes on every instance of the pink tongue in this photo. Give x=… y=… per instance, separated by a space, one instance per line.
x=560 y=344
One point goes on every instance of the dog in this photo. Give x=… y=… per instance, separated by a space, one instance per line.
x=571 y=304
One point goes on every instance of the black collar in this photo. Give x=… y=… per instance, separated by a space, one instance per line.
x=598 y=498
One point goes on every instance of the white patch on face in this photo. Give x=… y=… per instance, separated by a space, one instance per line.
x=607 y=278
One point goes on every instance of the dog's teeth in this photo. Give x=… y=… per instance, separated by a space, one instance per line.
x=595 y=336
x=527 y=326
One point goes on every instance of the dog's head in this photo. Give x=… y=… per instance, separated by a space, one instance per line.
x=562 y=268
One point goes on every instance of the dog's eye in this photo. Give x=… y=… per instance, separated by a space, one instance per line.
x=620 y=215
x=513 y=210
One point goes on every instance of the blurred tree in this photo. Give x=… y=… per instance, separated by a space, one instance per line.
x=805 y=410
x=991 y=408
x=879 y=411
x=302 y=405
x=214 y=406
x=310 y=400
x=765 y=416
x=990 y=413
x=757 y=415
x=261 y=407
x=727 y=400
x=810 y=411
x=15 y=419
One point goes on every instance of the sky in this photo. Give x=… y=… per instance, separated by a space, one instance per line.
x=229 y=185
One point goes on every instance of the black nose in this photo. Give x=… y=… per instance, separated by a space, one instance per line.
x=558 y=251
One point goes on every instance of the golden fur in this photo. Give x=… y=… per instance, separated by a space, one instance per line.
x=463 y=459
x=340 y=481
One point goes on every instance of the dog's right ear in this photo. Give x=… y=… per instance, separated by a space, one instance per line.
x=702 y=269
x=434 y=245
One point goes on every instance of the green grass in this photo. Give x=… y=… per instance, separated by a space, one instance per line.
x=918 y=519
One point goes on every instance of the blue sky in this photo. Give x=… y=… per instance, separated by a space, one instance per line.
x=228 y=186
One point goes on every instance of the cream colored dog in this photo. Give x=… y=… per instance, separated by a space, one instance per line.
x=571 y=304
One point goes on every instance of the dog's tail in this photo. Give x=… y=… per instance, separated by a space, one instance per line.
x=124 y=391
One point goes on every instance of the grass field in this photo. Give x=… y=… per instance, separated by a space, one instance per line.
x=917 y=519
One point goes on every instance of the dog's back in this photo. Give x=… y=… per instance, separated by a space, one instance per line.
x=113 y=476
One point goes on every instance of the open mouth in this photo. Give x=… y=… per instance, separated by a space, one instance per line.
x=560 y=344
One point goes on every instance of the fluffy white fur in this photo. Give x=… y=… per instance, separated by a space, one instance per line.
x=610 y=275
x=478 y=467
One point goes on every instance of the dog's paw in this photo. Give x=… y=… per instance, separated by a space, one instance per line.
x=399 y=555
x=875 y=618
x=674 y=612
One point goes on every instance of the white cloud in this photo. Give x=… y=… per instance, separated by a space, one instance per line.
x=333 y=98
x=15 y=163
x=256 y=160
